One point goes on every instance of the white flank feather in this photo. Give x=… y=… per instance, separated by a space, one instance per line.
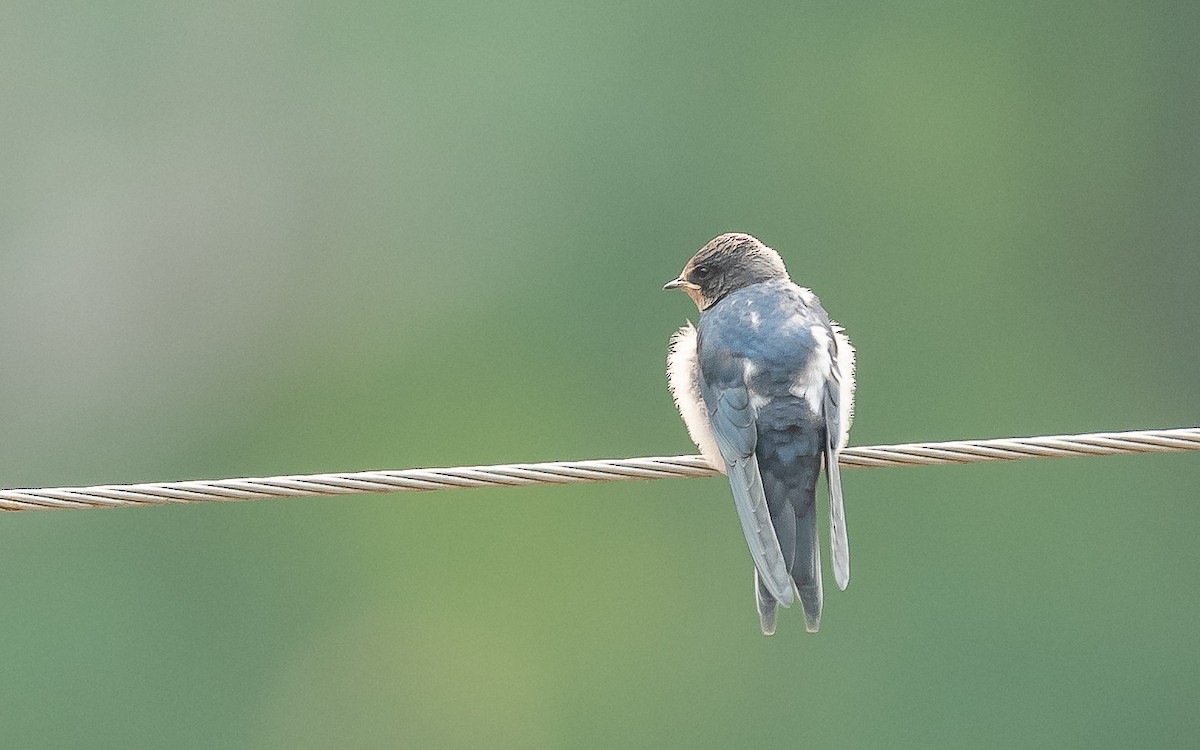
x=845 y=372
x=683 y=377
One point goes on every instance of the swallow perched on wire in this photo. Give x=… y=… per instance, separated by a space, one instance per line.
x=765 y=386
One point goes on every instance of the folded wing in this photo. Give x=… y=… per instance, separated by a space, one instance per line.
x=733 y=426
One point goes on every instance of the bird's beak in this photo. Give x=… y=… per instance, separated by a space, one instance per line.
x=681 y=284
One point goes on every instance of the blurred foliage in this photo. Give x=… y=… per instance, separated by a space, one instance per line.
x=262 y=238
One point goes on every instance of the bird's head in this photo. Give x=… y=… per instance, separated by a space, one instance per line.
x=726 y=264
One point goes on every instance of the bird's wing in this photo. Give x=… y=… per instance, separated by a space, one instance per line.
x=734 y=428
x=839 y=396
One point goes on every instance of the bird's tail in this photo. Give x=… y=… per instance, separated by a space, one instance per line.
x=768 y=608
x=806 y=570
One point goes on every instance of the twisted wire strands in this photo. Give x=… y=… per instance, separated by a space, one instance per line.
x=572 y=472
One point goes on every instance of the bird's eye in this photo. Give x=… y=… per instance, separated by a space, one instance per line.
x=702 y=272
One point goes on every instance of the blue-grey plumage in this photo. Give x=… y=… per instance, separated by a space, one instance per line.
x=765 y=386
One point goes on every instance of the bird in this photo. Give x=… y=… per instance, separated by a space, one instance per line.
x=765 y=386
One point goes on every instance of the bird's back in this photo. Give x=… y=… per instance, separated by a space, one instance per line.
x=773 y=336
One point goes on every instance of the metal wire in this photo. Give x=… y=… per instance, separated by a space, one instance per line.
x=572 y=472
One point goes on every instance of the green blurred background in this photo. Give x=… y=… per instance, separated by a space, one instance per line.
x=261 y=238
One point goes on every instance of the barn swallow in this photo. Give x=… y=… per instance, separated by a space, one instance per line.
x=765 y=386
